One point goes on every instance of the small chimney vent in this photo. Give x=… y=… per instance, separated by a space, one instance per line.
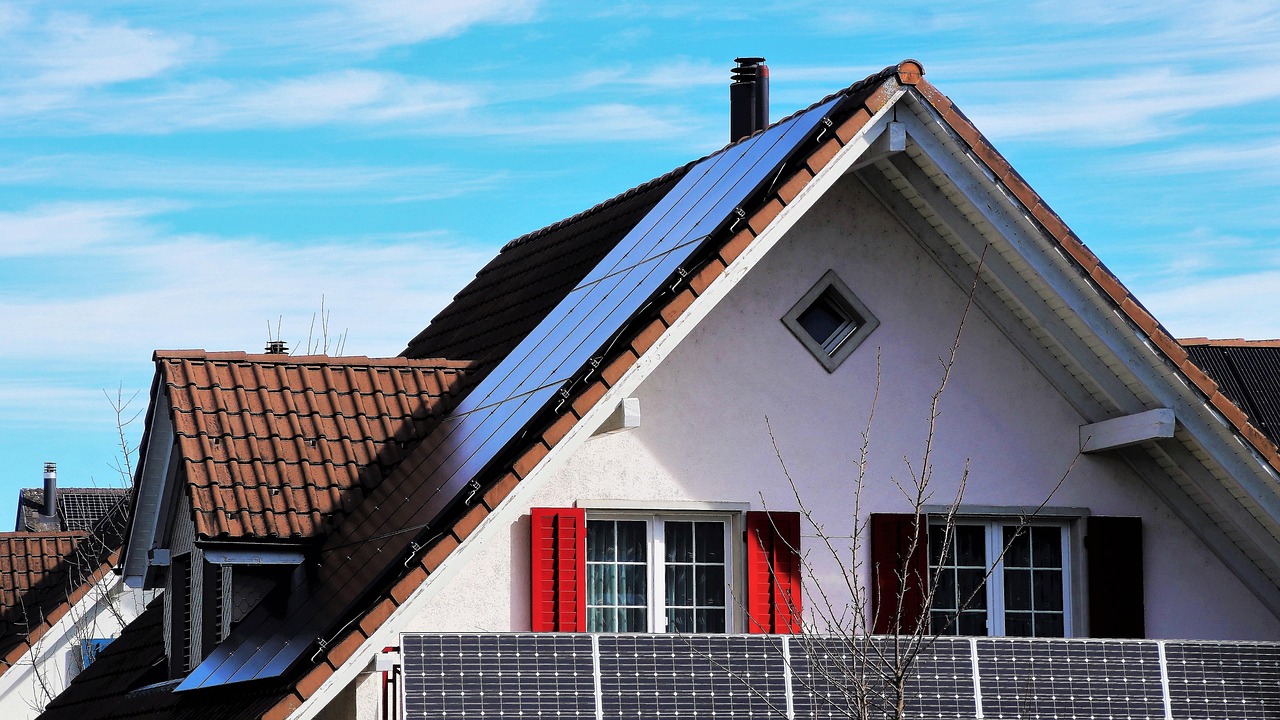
x=277 y=347
x=748 y=98
x=50 y=508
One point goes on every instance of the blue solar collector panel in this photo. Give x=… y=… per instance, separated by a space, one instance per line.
x=491 y=416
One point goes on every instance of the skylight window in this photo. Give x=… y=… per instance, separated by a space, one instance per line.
x=830 y=321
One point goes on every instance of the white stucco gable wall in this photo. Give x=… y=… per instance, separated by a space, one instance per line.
x=703 y=435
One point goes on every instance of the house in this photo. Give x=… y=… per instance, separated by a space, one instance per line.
x=59 y=601
x=645 y=419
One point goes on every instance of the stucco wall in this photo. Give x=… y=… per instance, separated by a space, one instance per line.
x=704 y=435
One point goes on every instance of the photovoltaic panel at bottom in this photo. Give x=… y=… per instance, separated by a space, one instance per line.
x=498 y=676
x=854 y=677
x=692 y=676
x=1213 y=681
x=1051 y=679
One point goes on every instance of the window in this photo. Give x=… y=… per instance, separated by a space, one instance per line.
x=1028 y=591
x=658 y=574
x=830 y=321
x=89 y=650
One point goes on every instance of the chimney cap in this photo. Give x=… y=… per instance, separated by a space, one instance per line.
x=276 y=347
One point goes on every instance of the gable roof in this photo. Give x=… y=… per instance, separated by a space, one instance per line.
x=1248 y=373
x=761 y=219
x=43 y=574
x=79 y=509
x=278 y=447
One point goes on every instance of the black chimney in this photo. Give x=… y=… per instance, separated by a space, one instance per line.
x=748 y=97
x=50 y=508
x=276 y=347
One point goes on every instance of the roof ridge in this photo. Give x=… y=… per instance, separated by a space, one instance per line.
x=281 y=359
x=51 y=534
x=605 y=204
x=1228 y=342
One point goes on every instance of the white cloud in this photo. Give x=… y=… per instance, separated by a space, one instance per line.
x=167 y=291
x=374 y=24
x=1249 y=161
x=1243 y=305
x=71 y=51
x=62 y=228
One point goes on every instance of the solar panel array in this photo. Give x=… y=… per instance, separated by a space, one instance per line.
x=494 y=413
x=638 y=676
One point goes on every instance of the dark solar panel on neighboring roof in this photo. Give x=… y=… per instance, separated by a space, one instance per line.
x=1249 y=375
x=79 y=509
x=525 y=382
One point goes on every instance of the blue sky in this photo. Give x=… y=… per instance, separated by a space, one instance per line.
x=174 y=176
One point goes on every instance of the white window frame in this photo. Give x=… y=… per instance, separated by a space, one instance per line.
x=656 y=571
x=994 y=544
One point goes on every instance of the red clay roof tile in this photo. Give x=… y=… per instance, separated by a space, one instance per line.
x=274 y=446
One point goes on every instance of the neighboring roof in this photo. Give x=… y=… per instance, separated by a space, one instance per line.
x=43 y=574
x=79 y=509
x=516 y=290
x=274 y=446
x=127 y=680
x=386 y=592
x=1248 y=373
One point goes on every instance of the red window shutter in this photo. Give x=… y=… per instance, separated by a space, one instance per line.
x=1114 y=546
x=773 y=572
x=891 y=543
x=559 y=570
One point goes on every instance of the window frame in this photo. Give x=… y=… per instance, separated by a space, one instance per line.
x=844 y=299
x=993 y=538
x=655 y=574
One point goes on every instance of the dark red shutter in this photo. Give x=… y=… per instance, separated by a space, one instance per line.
x=773 y=572
x=894 y=562
x=559 y=570
x=1114 y=547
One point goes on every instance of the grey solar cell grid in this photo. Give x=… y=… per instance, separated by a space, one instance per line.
x=1208 y=681
x=1048 y=679
x=82 y=510
x=498 y=676
x=518 y=388
x=826 y=673
x=685 y=676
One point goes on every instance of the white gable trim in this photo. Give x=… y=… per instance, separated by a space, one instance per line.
x=516 y=504
x=153 y=481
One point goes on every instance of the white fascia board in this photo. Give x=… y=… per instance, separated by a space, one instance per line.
x=1127 y=430
x=517 y=503
x=1146 y=362
x=153 y=477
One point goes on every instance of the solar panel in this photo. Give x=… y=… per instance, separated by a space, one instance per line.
x=498 y=676
x=756 y=676
x=1209 y=681
x=687 y=676
x=1044 y=679
x=487 y=420
x=844 y=677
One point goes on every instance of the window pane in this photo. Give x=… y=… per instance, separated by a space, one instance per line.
x=971 y=545
x=601 y=588
x=1046 y=547
x=971 y=593
x=1017 y=547
x=600 y=545
x=1048 y=590
x=1048 y=625
x=944 y=594
x=1017 y=624
x=710 y=621
x=938 y=538
x=681 y=620
x=679 y=537
x=633 y=620
x=942 y=623
x=1017 y=589
x=710 y=544
x=821 y=319
x=679 y=585
x=633 y=585
x=710 y=586
x=601 y=620
x=633 y=541
x=973 y=623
